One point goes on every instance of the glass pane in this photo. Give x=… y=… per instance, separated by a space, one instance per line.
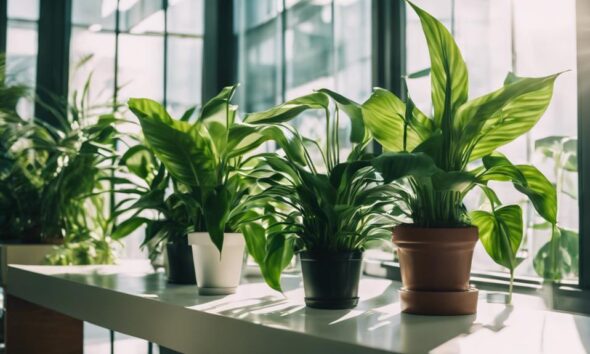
x=184 y=74
x=23 y=9
x=530 y=38
x=309 y=47
x=21 y=59
x=260 y=69
x=100 y=47
x=142 y=17
x=141 y=64
x=185 y=16
x=95 y=14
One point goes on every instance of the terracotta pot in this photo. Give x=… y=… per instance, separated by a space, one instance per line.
x=435 y=264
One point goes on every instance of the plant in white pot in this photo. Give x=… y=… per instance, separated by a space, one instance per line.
x=326 y=209
x=205 y=158
x=436 y=244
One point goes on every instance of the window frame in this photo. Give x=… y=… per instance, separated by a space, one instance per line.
x=388 y=63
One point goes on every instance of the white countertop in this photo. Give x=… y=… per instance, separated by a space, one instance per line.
x=135 y=301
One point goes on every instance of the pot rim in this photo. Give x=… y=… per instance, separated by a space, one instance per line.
x=203 y=239
x=411 y=234
x=331 y=256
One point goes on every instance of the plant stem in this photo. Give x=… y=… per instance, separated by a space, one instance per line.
x=510 y=287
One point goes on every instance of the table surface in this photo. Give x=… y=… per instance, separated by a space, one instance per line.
x=134 y=300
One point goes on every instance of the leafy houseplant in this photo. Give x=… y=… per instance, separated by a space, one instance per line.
x=165 y=215
x=329 y=210
x=459 y=141
x=205 y=159
x=55 y=184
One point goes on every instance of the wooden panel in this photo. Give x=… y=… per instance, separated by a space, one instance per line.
x=32 y=329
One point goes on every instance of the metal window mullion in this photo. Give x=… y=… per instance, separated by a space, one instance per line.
x=583 y=77
x=165 y=73
x=388 y=42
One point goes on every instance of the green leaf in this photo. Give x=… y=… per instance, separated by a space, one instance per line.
x=448 y=70
x=384 y=116
x=188 y=114
x=254 y=234
x=459 y=181
x=396 y=165
x=418 y=74
x=128 y=226
x=564 y=262
x=218 y=108
x=527 y=180
x=139 y=160
x=290 y=109
x=358 y=133
x=185 y=150
x=216 y=213
x=501 y=233
x=540 y=191
x=500 y=117
x=272 y=253
x=244 y=138
x=278 y=256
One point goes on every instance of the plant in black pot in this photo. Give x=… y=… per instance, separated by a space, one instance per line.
x=435 y=246
x=326 y=209
x=153 y=200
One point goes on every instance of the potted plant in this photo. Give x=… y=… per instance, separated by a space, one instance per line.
x=435 y=245
x=205 y=159
x=166 y=217
x=326 y=209
x=54 y=179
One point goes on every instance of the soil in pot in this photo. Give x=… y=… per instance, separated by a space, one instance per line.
x=181 y=268
x=435 y=265
x=331 y=280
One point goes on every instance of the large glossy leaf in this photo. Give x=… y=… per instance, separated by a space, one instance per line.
x=244 y=138
x=501 y=233
x=384 y=115
x=272 y=253
x=500 y=117
x=139 y=160
x=396 y=165
x=218 y=108
x=216 y=213
x=448 y=69
x=128 y=226
x=353 y=110
x=290 y=109
x=527 y=180
x=185 y=150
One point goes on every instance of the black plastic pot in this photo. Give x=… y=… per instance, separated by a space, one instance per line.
x=331 y=280
x=181 y=269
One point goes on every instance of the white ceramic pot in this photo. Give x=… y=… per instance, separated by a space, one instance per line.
x=217 y=275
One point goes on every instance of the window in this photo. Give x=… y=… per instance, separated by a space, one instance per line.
x=21 y=47
x=289 y=48
x=138 y=48
x=529 y=38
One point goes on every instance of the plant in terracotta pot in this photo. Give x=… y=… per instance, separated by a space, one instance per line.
x=205 y=160
x=150 y=198
x=326 y=209
x=436 y=244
